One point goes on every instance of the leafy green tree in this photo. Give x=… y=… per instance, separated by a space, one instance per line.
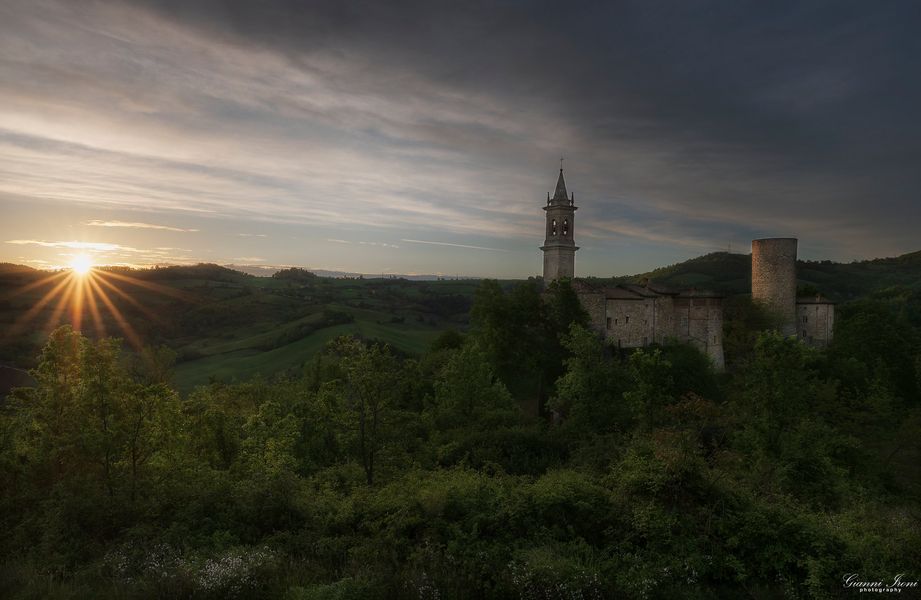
x=367 y=399
x=651 y=385
x=521 y=332
x=876 y=330
x=589 y=395
x=467 y=393
x=91 y=442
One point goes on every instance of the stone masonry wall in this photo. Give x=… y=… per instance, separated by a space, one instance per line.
x=629 y=323
x=815 y=322
x=774 y=279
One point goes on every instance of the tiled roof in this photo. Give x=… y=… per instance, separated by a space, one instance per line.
x=633 y=291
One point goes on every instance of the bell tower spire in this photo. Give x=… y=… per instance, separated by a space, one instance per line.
x=559 y=241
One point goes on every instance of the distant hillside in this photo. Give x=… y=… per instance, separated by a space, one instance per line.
x=731 y=274
x=225 y=324
x=269 y=270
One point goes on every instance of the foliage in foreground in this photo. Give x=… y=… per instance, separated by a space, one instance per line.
x=376 y=476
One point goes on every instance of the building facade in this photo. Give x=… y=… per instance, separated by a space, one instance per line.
x=636 y=316
x=815 y=320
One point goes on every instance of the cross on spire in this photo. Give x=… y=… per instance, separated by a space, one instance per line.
x=561 y=162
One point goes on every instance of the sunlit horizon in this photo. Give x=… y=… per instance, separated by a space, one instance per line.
x=81 y=294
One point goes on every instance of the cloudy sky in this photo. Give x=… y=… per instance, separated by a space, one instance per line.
x=423 y=137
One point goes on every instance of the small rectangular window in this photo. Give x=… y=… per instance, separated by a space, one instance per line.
x=609 y=322
x=627 y=319
x=615 y=321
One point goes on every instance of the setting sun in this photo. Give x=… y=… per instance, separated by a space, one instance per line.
x=81 y=264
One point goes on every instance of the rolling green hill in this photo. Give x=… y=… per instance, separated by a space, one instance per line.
x=225 y=325
x=731 y=274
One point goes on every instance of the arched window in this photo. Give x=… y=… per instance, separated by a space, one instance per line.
x=553 y=227
x=565 y=226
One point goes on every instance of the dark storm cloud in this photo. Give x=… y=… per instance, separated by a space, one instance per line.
x=687 y=124
x=812 y=106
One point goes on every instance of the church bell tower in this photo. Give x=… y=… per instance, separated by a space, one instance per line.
x=559 y=243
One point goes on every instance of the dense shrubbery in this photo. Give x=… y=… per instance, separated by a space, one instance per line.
x=376 y=476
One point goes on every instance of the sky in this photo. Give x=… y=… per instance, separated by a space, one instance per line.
x=423 y=137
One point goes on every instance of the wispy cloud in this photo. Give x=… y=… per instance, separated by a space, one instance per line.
x=363 y=243
x=453 y=245
x=379 y=244
x=250 y=235
x=75 y=245
x=135 y=225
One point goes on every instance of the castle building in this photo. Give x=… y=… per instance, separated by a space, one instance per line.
x=635 y=316
x=631 y=316
x=812 y=318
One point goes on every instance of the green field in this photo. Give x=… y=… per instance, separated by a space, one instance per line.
x=228 y=326
x=240 y=360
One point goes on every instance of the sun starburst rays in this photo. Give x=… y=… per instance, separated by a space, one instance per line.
x=82 y=295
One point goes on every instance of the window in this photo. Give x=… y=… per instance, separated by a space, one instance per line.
x=565 y=226
x=645 y=321
x=618 y=343
x=615 y=321
x=553 y=227
x=627 y=319
x=609 y=322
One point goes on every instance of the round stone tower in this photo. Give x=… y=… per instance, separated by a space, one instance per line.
x=774 y=279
